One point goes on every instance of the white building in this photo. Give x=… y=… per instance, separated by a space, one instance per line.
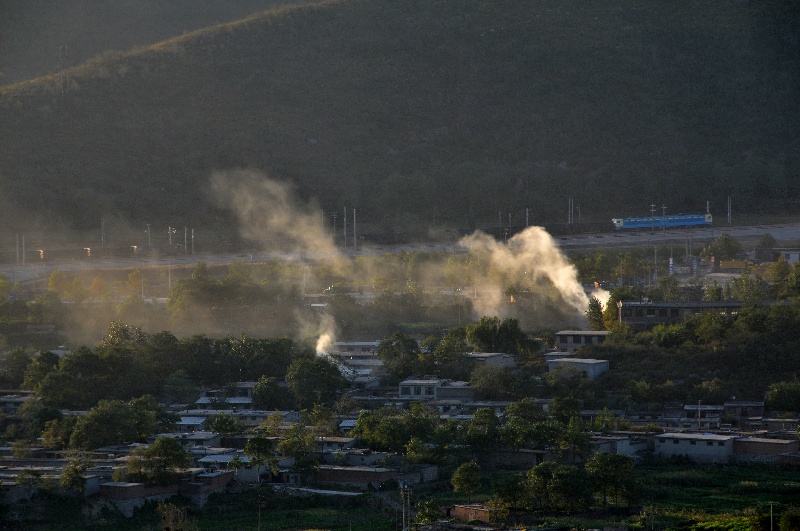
x=700 y=447
x=497 y=360
x=592 y=368
x=572 y=340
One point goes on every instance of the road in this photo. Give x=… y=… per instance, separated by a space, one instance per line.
x=787 y=234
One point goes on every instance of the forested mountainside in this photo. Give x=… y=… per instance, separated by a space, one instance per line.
x=419 y=113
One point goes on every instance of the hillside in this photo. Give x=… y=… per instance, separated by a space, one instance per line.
x=420 y=113
x=38 y=37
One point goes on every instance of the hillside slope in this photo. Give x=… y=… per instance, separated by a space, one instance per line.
x=424 y=112
x=38 y=37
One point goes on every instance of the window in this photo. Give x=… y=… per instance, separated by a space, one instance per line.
x=576 y=339
x=651 y=312
x=429 y=390
x=693 y=443
x=662 y=312
x=562 y=339
x=417 y=390
x=639 y=312
x=674 y=312
x=405 y=390
x=675 y=441
x=721 y=443
x=709 y=443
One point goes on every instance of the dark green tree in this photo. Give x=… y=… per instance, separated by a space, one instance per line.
x=610 y=472
x=314 y=380
x=400 y=355
x=269 y=394
x=160 y=463
x=225 y=424
x=300 y=444
x=13 y=372
x=260 y=451
x=594 y=314
x=467 y=479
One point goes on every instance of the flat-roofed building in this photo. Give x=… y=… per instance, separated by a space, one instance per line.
x=592 y=368
x=700 y=447
x=497 y=360
x=572 y=340
x=642 y=315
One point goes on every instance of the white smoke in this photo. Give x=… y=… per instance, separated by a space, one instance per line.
x=327 y=335
x=601 y=295
x=270 y=214
x=530 y=260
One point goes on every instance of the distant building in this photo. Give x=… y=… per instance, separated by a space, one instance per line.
x=762 y=450
x=699 y=447
x=592 y=368
x=432 y=388
x=642 y=315
x=497 y=360
x=572 y=340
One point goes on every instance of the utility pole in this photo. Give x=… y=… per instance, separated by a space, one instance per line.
x=344 y=221
x=185 y=242
x=192 y=242
x=653 y=214
x=148 y=235
x=355 y=240
x=729 y=210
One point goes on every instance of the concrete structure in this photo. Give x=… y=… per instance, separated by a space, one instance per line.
x=790 y=254
x=497 y=360
x=355 y=348
x=592 y=368
x=642 y=315
x=702 y=416
x=432 y=388
x=761 y=450
x=360 y=476
x=700 y=447
x=469 y=513
x=334 y=444
x=572 y=340
x=634 y=446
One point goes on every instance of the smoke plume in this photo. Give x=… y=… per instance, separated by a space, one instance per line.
x=269 y=213
x=530 y=266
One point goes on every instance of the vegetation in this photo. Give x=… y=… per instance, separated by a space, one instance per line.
x=337 y=72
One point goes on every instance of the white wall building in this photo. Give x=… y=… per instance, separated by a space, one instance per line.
x=700 y=447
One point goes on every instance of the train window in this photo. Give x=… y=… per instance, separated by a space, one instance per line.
x=674 y=312
x=651 y=312
x=662 y=312
x=639 y=312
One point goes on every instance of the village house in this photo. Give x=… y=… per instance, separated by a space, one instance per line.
x=762 y=450
x=572 y=340
x=699 y=447
x=590 y=367
x=496 y=360
x=432 y=388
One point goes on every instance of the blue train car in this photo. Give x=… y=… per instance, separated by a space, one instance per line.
x=663 y=222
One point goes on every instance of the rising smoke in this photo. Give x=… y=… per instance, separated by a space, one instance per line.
x=270 y=214
x=532 y=264
x=529 y=267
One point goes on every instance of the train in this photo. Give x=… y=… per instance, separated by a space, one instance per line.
x=663 y=222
